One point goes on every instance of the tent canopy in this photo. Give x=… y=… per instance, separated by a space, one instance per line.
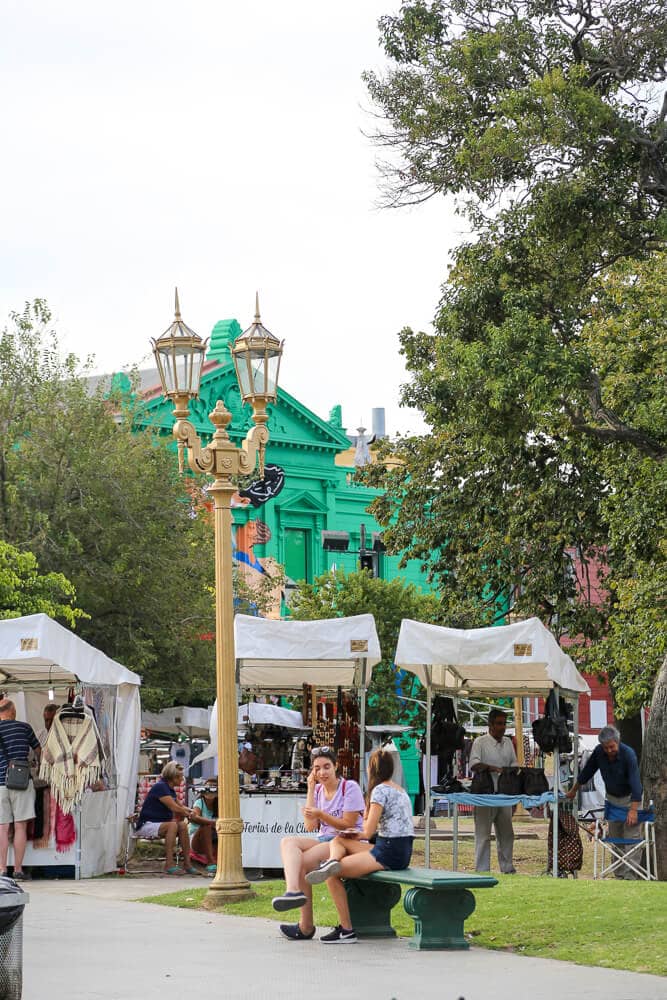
x=181 y=719
x=278 y=655
x=504 y=660
x=254 y=713
x=37 y=649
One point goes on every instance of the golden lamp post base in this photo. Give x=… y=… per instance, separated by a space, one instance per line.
x=219 y=895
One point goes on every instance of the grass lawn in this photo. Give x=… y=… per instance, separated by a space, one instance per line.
x=614 y=924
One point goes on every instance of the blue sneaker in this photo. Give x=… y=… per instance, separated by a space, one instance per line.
x=294 y=933
x=288 y=901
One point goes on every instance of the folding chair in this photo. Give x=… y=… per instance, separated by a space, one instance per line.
x=612 y=854
x=131 y=837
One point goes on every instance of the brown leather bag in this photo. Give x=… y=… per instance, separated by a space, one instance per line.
x=248 y=761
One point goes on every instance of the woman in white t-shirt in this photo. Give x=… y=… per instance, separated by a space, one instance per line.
x=389 y=816
x=332 y=804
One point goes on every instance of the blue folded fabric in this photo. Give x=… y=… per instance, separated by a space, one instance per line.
x=467 y=799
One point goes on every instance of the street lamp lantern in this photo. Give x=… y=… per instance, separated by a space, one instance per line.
x=179 y=354
x=257 y=353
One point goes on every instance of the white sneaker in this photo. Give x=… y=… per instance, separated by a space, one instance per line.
x=326 y=870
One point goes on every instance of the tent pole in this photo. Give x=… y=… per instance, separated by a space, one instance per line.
x=362 y=727
x=556 y=789
x=427 y=783
x=575 y=721
x=455 y=819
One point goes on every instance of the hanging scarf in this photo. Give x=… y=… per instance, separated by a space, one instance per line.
x=70 y=759
x=41 y=843
x=64 y=830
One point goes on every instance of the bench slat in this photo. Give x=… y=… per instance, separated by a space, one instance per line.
x=434 y=878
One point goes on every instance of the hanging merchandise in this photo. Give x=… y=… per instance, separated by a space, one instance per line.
x=551 y=732
x=510 y=781
x=534 y=781
x=446 y=733
x=71 y=757
x=570 y=847
x=482 y=783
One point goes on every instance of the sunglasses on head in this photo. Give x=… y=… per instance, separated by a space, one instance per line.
x=321 y=752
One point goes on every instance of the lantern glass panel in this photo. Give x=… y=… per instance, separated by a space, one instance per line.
x=180 y=367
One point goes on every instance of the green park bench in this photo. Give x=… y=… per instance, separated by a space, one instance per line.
x=438 y=902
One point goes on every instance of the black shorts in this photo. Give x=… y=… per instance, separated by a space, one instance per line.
x=393 y=853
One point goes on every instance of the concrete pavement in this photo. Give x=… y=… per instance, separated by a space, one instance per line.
x=87 y=941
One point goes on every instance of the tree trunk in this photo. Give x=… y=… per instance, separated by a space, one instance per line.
x=654 y=766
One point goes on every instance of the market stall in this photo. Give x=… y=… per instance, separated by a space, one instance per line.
x=518 y=660
x=279 y=657
x=174 y=733
x=42 y=661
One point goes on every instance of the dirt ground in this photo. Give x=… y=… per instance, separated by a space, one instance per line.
x=530 y=849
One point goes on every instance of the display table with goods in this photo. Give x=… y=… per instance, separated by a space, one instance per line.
x=505 y=661
x=327 y=665
x=86 y=781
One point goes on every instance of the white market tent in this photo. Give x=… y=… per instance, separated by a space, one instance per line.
x=182 y=720
x=283 y=655
x=255 y=713
x=519 y=660
x=37 y=655
x=501 y=661
x=273 y=655
x=251 y=713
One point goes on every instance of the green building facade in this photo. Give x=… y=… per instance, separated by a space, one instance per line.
x=318 y=494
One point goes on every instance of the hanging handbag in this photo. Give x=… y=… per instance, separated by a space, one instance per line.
x=534 y=781
x=482 y=783
x=510 y=781
x=545 y=734
x=446 y=733
x=17 y=777
x=248 y=761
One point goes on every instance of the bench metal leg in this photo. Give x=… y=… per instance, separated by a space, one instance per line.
x=439 y=917
x=371 y=904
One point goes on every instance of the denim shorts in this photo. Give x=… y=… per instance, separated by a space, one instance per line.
x=393 y=853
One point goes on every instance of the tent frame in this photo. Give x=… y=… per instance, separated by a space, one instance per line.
x=361 y=687
x=556 y=782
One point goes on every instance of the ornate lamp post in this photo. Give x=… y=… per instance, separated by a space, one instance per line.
x=179 y=354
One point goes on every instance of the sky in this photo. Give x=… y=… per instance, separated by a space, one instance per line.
x=219 y=147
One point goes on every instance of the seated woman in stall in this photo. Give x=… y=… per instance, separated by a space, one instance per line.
x=203 y=836
x=388 y=820
x=332 y=804
x=162 y=815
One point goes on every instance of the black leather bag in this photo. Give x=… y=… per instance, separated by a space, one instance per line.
x=446 y=736
x=510 y=781
x=534 y=781
x=18 y=775
x=18 y=771
x=482 y=783
x=545 y=734
x=448 y=786
x=446 y=733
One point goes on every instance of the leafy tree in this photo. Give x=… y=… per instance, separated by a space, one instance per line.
x=340 y=594
x=105 y=506
x=544 y=382
x=26 y=591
